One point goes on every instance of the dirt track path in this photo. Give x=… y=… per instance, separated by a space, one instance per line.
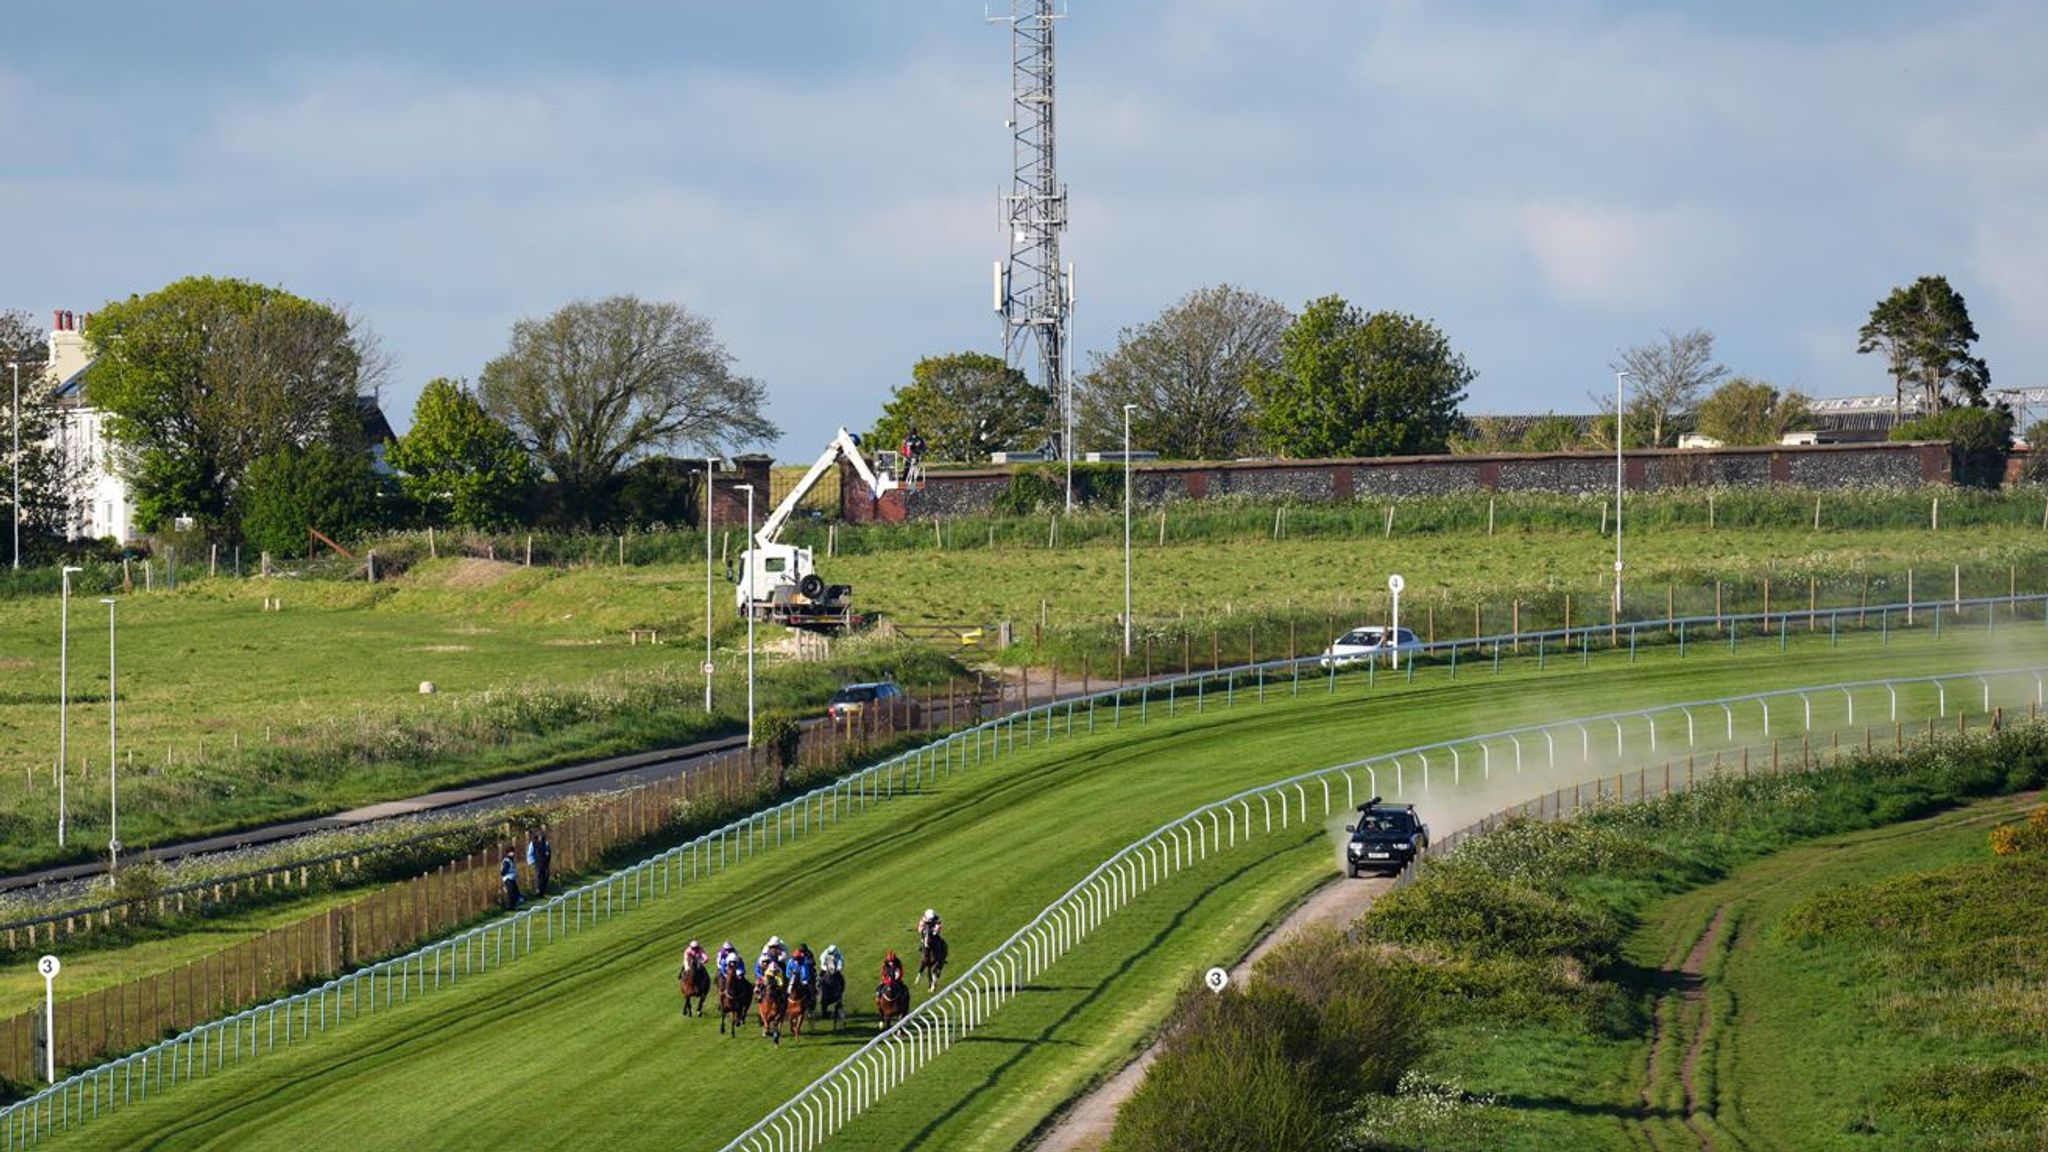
x=1086 y=1124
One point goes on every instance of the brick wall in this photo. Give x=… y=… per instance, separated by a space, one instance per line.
x=974 y=492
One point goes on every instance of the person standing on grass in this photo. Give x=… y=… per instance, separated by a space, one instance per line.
x=543 y=859
x=508 y=872
x=533 y=860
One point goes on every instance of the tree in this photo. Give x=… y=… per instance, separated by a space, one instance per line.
x=601 y=382
x=1352 y=384
x=1667 y=378
x=320 y=486
x=1745 y=411
x=1925 y=333
x=458 y=464
x=1187 y=372
x=48 y=475
x=204 y=376
x=1552 y=433
x=966 y=406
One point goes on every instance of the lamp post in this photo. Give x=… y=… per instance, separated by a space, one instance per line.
x=749 y=578
x=14 y=422
x=710 y=464
x=1619 y=424
x=63 y=694
x=1127 y=530
x=113 y=769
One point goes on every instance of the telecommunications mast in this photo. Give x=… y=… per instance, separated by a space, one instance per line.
x=1032 y=291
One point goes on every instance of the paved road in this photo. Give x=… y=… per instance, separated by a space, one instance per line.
x=595 y=776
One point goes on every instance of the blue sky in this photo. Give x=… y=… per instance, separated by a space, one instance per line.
x=1548 y=182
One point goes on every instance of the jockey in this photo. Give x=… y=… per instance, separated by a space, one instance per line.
x=773 y=955
x=928 y=926
x=800 y=965
x=726 y=955
x=892 y=968
x=694 y=954
x=831 y=960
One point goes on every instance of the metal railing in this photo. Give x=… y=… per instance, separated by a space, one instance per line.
x=81 y=1096
x=860 y=1080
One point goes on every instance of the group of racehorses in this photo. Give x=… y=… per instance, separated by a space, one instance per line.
x=783 y=1003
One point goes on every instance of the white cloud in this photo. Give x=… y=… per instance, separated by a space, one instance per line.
x=1624 y=258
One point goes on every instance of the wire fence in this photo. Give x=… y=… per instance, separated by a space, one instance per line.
x=857 y=1082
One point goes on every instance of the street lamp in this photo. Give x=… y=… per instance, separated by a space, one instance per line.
x=113 y=770
x=1619 y=424
x=1127 y=530
x=14 y=422
x=63 y=695
x=749 y=578
x=710 y=464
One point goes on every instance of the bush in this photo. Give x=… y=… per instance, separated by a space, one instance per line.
x=1237 y=1070
x=1979 y=440
x=2030 y=837
x=1464 y=911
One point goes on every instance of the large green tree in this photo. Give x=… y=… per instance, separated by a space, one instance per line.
x=204 y=376
x=1925 y=333
x=1351 y=383
x=600 y=383
x=458 y=464
x=1746 y=411
x=966 y=405
x=320 y=487
x=1187 y=373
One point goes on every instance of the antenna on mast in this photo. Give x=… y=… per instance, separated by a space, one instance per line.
x=1033 y=293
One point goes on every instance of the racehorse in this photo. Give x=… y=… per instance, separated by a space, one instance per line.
x=773 y=1005
x=695 y=981
x=802 y=995
x=931 y=962
x=735 y=996
x=832 y=996
x=892 y=1001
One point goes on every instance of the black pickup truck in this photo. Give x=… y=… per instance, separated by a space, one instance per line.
x=1385 y=839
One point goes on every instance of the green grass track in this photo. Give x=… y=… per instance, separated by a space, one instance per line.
x=581 y=1044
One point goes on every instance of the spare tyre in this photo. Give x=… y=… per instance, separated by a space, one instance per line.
x=812 y=585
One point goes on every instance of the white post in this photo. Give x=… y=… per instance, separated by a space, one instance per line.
x=49 y=966
x=1393 y=640
x=749 y=490
x=63 y=695
x=1127 y=530
x=1618 y=425
x=113 y=765
x=14 y=422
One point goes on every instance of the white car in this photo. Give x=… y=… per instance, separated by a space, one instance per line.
x=1367 y=643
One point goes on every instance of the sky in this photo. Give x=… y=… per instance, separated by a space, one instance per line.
x=1548 y=182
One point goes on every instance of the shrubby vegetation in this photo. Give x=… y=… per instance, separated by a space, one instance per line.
x=1524 y=926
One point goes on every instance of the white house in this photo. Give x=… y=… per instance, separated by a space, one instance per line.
x=101 y=504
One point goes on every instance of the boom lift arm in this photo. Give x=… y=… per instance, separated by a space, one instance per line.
x=843 y=446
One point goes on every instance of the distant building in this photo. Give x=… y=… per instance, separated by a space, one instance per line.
x=102 y=504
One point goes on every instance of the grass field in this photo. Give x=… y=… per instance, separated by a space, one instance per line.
x=581 y=1044
x=232 y=715
x=1764 y=1041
